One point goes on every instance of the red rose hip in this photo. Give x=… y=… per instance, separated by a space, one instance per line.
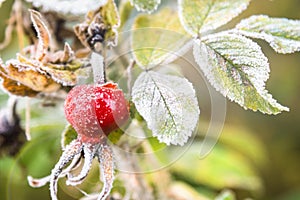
x=96 y=110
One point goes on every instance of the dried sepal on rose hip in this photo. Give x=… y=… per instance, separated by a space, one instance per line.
x=94 y=111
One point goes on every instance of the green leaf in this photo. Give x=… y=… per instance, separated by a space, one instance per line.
x=10 y=170
x=11 y=179
x=165 y=38
x=168 y=104
x=125 y=10
x=282 y=34
x=198 y=17
x=145 y=5
x=181 y=190
x=224 y=167
x=40 y=154
x=245 y=142
x=68 y=135
x=226 y=195
x=110 y=16
x=115 y=135
x=238 y=69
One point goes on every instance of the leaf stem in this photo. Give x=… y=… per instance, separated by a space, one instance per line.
x=19 y=19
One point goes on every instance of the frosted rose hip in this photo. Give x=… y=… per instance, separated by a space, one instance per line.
x=96 y=109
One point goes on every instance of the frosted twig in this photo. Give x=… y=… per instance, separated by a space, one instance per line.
x=97 y=62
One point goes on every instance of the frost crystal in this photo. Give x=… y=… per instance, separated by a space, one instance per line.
x=282 y=34
x=238 y=69
x=98 y=68
x=73 y=153
x=168 y=104
x=145 y=5
x=75 y=7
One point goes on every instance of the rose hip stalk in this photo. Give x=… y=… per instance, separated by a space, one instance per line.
x=94 y=111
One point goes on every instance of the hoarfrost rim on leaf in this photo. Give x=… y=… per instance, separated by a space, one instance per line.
x=171 y=109
x=238 y=69
x=145 y=6
x=282 y=34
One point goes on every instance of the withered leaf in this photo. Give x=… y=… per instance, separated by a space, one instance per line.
x=14 y=87
x=31 y=78
x=61 y=56
x=43 y=70
x=67 y=74
x=42 y=32
x=99 y=27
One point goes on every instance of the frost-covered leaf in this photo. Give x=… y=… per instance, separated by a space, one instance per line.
x=145 y=5
x=238 y=69
x=165 y=38
x=282 y=34
x=198 y=17
x=15 y=87
x=64 y=73
x=168 y=104
x=28 y=76
x=67 y=74
x=42 y=33
x=75 y=7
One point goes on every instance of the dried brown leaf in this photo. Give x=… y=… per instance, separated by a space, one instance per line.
x=42 y=33
x=14 y=87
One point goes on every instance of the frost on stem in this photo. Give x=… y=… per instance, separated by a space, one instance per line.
x=97 y=62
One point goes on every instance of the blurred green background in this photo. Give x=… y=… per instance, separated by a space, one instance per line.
x=257 y=155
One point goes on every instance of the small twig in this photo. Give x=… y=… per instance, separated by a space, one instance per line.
x=12 y=115
x=19 y=19
x=137 y=186
x=104 y=63
x=129 y=75
x=8 y=32
x=27 y=119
